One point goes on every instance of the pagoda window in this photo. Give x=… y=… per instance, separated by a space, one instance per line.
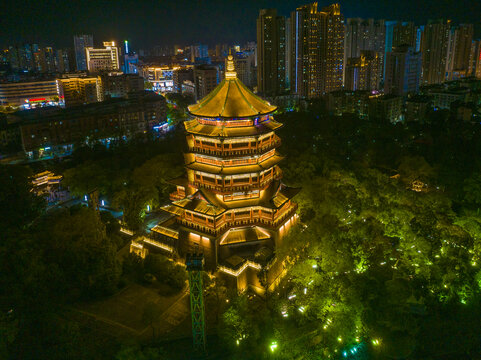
x=208 y=179
x=241 y=180
x=239 y=145
x=242 y=214
x=199 y=217
x=197 y=177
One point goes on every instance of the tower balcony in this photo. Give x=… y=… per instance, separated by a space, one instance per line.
x=227 y=150
x=248 y=185
x=217 y=228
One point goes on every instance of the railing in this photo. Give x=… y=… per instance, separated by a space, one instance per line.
x=228 y=224
x=214 y=150
x=228 y=188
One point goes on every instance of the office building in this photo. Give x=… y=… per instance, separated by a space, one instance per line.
x=120 y=85
x=317 y=51
x=81 y=42
x=28 y=93
x=434 y=52
x=271 y=53
x=58 y=130
x=403 y=71
x=76 y=91
x=363 y=72
x=106 y=59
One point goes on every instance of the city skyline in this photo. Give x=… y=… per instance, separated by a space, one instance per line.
x=152 y=23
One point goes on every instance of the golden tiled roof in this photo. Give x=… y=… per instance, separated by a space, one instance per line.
x=231 y=99
x=231 y=170
x=199 y=206
x=239 y=235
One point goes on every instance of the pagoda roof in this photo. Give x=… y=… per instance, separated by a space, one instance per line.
x=283 y=194
x=208 y=203
x=244 y=234
x=232 y=170
x=231 y=99
x=194 y=127
x=179 y=181
x=198 y=205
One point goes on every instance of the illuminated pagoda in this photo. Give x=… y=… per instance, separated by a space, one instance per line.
x=232 y=205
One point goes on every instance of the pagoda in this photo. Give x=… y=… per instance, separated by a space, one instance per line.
x=232 y=205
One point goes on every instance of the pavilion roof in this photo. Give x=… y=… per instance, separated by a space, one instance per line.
x=244 y=234
x=231 y=99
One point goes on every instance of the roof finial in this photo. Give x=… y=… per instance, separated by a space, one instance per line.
x=230 y=73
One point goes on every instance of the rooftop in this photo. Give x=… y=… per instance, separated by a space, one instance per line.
x=94 y=109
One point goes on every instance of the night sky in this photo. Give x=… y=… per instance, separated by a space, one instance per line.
x=166 y=22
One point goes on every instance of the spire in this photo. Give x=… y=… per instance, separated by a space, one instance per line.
x=230 y=73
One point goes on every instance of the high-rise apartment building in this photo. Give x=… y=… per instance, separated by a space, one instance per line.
x=244 y=64
x=364 y=35
x=475 y=59
x=45 y=60
x=317 y=53
x=404 y=33
x=403 y=71
x=363 y=72
x=205 y=80
x=62 y=60
x=106 y=59
x=459 y=50
x=80 y=43
x=271 y=53
x=434 y=51
x=198 y=52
